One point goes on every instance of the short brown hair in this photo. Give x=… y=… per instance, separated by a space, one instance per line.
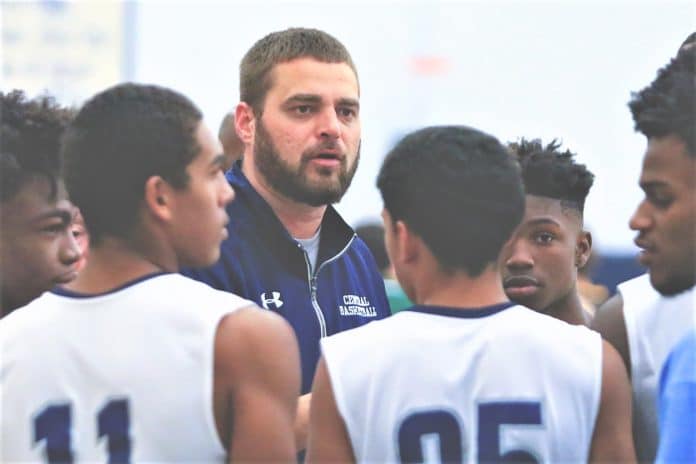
x=280 y=47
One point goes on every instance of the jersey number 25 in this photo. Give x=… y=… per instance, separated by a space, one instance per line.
x=445 y=426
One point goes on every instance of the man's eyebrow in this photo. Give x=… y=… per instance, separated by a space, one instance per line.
x=218 y=160
x=349 y=102
x=63 y=214
x=308 y=98
x=652 y=184
x=542 y=221
x=303 y=98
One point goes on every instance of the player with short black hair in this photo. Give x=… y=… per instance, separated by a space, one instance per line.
x=464 y=373
x=156 y=366
x=540 y=262
x=651 y=313
x=156 y=133
x=665 y=112
x=489 y=192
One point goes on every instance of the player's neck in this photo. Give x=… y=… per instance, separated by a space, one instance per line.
x=110 y=265
x=299 y=219
x=459 y=290
x=569 y=309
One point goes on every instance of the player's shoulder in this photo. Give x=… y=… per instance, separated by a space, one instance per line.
x=639 y=283
x=41 y=319
x=251 y=330
x=253 y=320
x=519 y=313
x=637 y=294
x=643 y=306
x=36 y=313
x=573 y=352
x=395 y=329
x=524 y=323
x=177 y=286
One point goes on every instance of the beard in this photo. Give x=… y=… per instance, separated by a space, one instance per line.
x=294 y=182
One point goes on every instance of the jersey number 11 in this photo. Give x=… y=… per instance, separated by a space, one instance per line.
x=52 y=425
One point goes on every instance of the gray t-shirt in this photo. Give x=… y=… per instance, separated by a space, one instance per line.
x=311 y=247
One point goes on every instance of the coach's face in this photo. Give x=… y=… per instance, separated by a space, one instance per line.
x=306 y=141
x=666 y=218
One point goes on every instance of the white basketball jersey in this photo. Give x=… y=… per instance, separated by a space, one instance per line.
x=441 y=384
x=122 y=376
x=654 y=324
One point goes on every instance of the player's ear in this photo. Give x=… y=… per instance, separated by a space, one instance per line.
x=245 y=122
x=407 y=242
x=583 y=248
x=158 y=197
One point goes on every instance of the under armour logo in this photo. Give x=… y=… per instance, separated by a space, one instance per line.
x=275 y=300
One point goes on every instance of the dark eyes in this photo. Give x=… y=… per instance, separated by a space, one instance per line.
x=660 y=201
x=343 y=113
x=55 y=228
x=303 y=109
x=659 y=196
x=347 y=112
x=544 y=238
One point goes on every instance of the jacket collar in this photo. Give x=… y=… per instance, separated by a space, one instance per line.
x=251 y=210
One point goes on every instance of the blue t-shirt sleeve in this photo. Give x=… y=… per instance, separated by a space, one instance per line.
x=677 y=404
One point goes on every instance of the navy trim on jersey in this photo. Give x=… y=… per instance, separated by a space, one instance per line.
x=71 y=294
x=466 y=313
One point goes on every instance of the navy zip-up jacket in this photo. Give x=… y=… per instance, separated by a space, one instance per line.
x=260 y=261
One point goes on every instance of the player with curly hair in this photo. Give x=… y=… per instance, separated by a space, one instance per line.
x=37 y=249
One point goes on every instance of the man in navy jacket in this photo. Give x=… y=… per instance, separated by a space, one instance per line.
x=288 y=249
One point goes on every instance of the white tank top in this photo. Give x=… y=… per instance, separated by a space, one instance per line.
x=654 y=324
x=467 y=386
x=126 y=375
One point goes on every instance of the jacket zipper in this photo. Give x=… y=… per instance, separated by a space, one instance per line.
x=312 y=280
x=313 y=295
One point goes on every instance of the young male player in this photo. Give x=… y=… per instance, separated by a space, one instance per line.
x=540 y=262
x=644 y=324
x=463 y=376
x=37 y=249
x=136 y=362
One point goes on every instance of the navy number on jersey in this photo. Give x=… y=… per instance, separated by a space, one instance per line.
x=441 y=424
x=52 y=426
x=440 y=431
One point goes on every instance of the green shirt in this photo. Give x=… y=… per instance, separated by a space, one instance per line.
x=396 y=296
